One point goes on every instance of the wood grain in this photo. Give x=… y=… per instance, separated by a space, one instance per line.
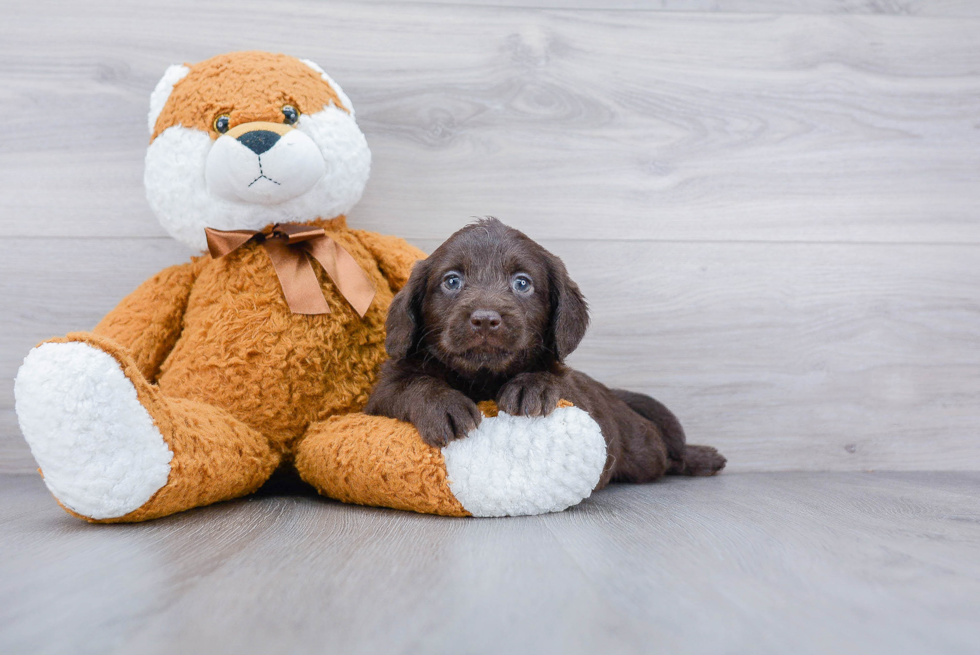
x=938 y=8
x=760 y=563
x=15 y=455
x=692 y=126
x=795 y=356
x=826 y=563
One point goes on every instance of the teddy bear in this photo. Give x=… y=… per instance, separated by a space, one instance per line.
x=260 y=352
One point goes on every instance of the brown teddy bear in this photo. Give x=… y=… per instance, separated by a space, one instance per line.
x=260 y=353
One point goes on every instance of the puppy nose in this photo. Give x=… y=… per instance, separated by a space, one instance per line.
x=485 y=319
x=259 y=141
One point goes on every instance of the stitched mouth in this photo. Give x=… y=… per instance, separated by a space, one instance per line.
x=262 y=175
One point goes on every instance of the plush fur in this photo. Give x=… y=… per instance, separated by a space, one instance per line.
x=100 y=450
x=377 y=461
x=202 y=382
x=249 y=87
x=161 y=93
x=517 y=466
x=203 y=373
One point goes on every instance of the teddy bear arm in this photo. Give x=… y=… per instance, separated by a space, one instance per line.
x=508 y=466
x=394 y=255
x=147 y=322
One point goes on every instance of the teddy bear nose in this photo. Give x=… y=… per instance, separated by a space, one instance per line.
x=258 y=141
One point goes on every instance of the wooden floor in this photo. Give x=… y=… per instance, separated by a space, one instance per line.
x=755 y=563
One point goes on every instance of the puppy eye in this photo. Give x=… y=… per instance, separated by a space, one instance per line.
x=290 y=115
x=452 y=282
x=221 y=124
x=522 y=284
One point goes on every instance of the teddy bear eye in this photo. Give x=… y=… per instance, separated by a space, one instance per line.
x=290 y=115
x=221 y=124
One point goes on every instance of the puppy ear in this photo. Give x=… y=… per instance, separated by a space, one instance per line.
x=404 y=322
x=569 y=311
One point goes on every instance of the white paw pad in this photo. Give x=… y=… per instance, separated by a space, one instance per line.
x=98 y=448
x=518 y=466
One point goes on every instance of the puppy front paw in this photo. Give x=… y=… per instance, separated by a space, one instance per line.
x=446 y=417
x=530 y=394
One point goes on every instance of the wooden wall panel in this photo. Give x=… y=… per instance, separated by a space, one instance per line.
x=934 y=8
x=624 y=124
x=773 y=209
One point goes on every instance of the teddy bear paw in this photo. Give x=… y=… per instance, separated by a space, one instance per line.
x=518 y=466
x=100 y=453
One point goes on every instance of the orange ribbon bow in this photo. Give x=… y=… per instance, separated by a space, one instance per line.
x=288 y=245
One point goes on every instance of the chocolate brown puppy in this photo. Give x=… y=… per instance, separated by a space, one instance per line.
x=492 y=315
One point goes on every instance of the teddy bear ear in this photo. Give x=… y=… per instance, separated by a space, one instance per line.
x=344 y=100
x=158 y=98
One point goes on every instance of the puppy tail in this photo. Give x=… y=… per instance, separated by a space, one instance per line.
x=698 y=461
x=684 y=459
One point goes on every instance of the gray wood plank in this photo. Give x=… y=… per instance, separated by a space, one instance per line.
x=795 y=356
x=805 y=563
x=761 y=563
x=785 y=356
x=932 y=8
x=593 y=123
x=50 y=287
x=15 y=455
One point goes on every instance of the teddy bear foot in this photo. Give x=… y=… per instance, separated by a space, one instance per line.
x=520 y=466
x=100 y=453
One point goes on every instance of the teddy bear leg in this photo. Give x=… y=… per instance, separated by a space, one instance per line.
x=112 y=449
x=372 y=460
x=508 y=466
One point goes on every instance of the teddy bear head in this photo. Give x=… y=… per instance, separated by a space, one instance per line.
x=246 y=139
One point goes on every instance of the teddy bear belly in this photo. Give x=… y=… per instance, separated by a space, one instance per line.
x=243 y=350
x=276 y=373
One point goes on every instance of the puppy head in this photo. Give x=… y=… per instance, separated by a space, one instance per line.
x=246 y=139
x=488 y=299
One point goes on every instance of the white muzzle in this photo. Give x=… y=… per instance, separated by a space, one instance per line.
x=263 y=163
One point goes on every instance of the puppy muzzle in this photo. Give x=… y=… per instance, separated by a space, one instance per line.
x=263 y=163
